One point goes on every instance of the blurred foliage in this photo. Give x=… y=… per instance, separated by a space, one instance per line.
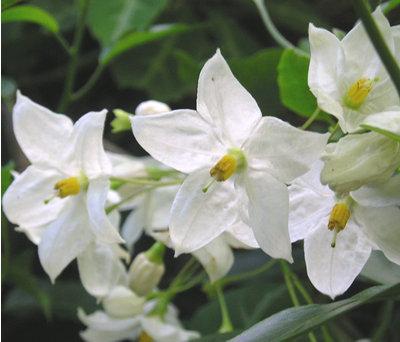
x=135 y=50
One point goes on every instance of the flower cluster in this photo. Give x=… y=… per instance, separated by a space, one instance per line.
x=220 y=177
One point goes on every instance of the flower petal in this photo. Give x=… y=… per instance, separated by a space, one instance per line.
x=381 y=226
x=379 y=195
x=86 y=150
x=181 y=139
x=196 y=217
x=282 y=150
x=268 y=213
x=42 y=134
x=389 y=121
x=333 y=270
x=240 y=235
x=23 y=202
x=133 y=225
x=65 y=238
x=100 y=269
x=100 y=223
x=216 y=257
x=221 y=99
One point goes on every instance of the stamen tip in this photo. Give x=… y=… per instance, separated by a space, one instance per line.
x=333 y=244
x=204 y=189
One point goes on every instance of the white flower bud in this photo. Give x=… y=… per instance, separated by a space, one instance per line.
x=147 y=270
x=359 y=159
x=151 y=107
x=123 y=303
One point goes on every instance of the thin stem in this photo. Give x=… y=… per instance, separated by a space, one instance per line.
x=82 y=91
x=271 y=28
x=226 y=324
x=64 y=44
x=379 y=43
x=74 y=52
x=311 y=119
x=141 y=181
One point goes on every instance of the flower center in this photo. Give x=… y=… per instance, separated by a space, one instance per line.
x=144 y=337
x=232 y=162
x=358 y=92
x=70 y=186
x=340 y=214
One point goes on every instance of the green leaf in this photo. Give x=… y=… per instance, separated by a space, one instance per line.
x=382 y=131
x=293 y=86
x=139 y=38
x=30 y=14
x=293 y=322
x=111 y=20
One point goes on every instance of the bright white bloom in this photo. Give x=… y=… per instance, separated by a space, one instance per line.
x=369 y=220
x=106 y=327
x=225 y=137
x=347 y=76
x=151 y=107
x=59 y=200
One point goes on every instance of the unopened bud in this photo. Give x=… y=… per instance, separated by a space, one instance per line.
x=147 y=270
x=152 y=107
x=121 y=122
x=122 y=303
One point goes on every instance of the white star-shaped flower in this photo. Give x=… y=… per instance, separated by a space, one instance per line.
x=247 y=157
x=59 y=199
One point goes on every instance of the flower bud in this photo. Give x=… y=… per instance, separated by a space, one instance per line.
x=123 y=303
x=152 y=107
x=147 y=269
x=359 y=159
x=121 y=122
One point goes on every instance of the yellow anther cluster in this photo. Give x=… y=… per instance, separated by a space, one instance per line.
x=339 y=216
x=358 y=92
x=144 y=337
x=225 y=168
x=68 y=187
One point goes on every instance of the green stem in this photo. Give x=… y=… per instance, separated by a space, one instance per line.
x=378 y=41
x=287 y=274
x=82 y=91
x=143 y=181
x=311 y=119
x=64 y=44
x=271 y=28
x=74 y=52
x=226 y=324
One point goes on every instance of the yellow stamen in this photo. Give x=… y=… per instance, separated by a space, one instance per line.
x=340 y=214
x=68 y=187
x=358 y=92
x=225 y=168
x=144 y=337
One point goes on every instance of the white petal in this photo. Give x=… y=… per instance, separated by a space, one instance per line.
x=379 y=195
x=389 y=121
x=126 y=166
x=65 y=238
x=122 y=302
x=133 y=226
x=23 y=202
x=268 y=213
x=225 y=102
x=42 y=134
x=86 y=147
x=160 y=207
x=333 y=270
x=164 y=332
x=181 y=139
x=382 y=226
x=33 y=233
x=197 y=217
x=100 y=223
x=103 y=328
x=240 y=235
x=282 y=150
x=100 y=269
x=216 y=257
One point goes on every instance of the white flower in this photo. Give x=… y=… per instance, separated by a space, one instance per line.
x=59 y=200
x=368 y=220
x=103 y=327
x=359 y=159
x=227 y=136
x=347 y=77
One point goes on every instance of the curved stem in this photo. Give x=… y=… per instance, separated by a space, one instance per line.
x=226 y=324
x=82 y=91
x=139 y=181
x=271 y=28
x=74 y=52
x=379 y=43
x=311 y=119
x=64 y=44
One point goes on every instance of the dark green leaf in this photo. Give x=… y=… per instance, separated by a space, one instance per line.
x=111 y=20
x=293 y=322
x=30 y=14
x=134 y=39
